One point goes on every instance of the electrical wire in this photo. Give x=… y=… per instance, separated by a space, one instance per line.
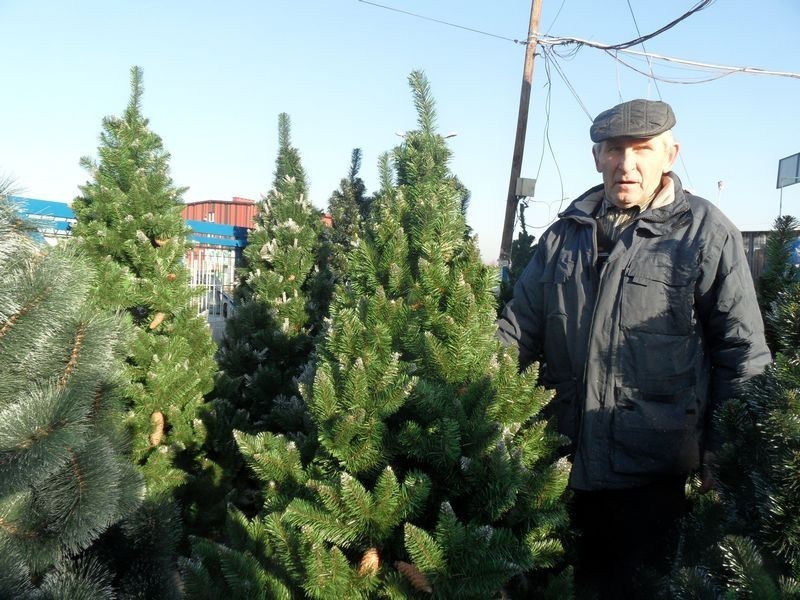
x=558 y=13
x=614 y=56
x=549 y=86
x=569 y=85
x=619 y=82
x=448 y=23
x=649 y=64
x=643 y=38
x=546 y=141
x=577 y=43
x=553 y=41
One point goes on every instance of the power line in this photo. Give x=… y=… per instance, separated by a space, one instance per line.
x=619 y=83
x=711 y=66
x=560 y=41
x=448 y=23
x=546 y=141
x=558 y=13
x=643 y=38
x=622 y=47
x=649 y=64
x=549 y=57
x=654 y=77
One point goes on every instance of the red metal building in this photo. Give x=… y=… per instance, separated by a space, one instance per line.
x=239 y=211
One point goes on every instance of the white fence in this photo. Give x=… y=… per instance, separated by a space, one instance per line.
x=213 y=270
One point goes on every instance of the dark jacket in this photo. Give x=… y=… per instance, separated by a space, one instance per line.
x=640 y=352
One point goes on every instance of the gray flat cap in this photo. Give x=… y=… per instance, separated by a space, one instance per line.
x=636 y=119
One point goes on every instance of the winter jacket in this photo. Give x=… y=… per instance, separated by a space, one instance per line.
x=642 y=350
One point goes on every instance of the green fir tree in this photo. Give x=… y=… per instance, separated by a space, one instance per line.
x=65 y=472
x=269 y=340
x=434 y=476
x=130 y=224
x=779 y=271
x=522 y=251
x=743 y=538
x=349 y=207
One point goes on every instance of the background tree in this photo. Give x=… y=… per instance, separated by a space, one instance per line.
x=433 y=476
x=779 y=270
x=65 y=474
x=349 y=207
x=522 y=250
x=743 y=538
x=282 y=299
x=129 y=223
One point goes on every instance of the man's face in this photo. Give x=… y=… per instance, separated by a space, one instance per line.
x=632 y=167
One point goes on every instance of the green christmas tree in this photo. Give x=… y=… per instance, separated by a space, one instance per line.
x=283 y=297
x=349 y=207
x=269 y=340
x=433 y=476
x=779 y=270
x=743 y=539
x=129 y=223
x=522 y=250
x=65 y=474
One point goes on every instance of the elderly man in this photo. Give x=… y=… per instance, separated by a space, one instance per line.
x=640 y=306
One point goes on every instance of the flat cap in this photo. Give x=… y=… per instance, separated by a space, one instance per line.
x=636 y=119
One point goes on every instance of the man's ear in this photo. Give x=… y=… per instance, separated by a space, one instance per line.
x=595 y=154
x=672 y=156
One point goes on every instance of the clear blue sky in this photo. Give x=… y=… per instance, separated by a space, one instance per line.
x=216 y=75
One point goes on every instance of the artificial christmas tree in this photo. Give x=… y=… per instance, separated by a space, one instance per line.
x=433 y=476
x=522 y=250
x=283 y=297
x=129 y=223
x=743 y=538
x=349 y=207
x=65 y=474
x=779 y=270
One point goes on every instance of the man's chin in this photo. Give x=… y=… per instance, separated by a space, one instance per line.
x=624 y=202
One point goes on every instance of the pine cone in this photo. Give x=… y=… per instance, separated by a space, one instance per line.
x=171 y=276
x=157 y=320
x=157 y=420
x=370 y=562
x=415 y=577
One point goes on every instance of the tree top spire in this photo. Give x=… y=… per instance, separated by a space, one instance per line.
x=423 y=101
x=137 y=89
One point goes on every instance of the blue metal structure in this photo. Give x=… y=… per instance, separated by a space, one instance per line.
x=212 y=260
x=58 y=217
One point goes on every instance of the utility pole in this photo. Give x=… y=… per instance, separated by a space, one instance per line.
x=522 y=126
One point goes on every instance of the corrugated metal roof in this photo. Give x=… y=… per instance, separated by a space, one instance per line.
x=229 y=235
x=47 y=208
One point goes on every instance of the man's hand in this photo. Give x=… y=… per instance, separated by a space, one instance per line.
x=707 y=481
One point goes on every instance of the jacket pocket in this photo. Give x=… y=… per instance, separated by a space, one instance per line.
x=658 y=298
x=655 y=432
x=564 y=408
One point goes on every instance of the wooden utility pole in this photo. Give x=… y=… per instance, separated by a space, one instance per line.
x=522 y=126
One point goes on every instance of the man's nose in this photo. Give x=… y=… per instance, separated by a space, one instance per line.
x=628 y=162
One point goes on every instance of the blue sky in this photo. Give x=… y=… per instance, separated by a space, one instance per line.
x=217 y=74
